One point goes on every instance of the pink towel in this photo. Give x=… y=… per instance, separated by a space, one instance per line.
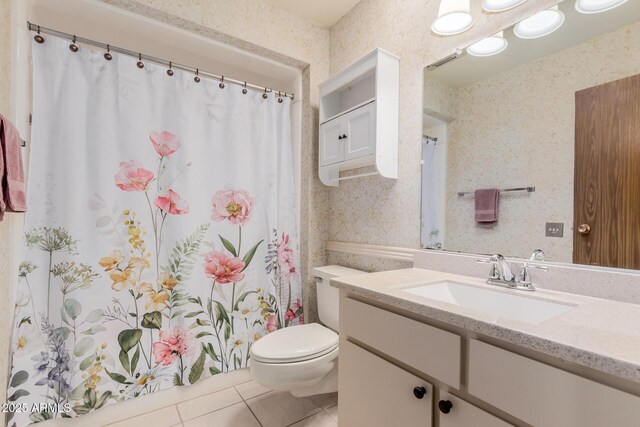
x=487 y=205
x=12 y=194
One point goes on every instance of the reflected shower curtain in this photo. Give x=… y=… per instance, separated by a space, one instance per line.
x=431 y=238
x=161 y=241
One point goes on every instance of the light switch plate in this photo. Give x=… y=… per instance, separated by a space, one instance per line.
x=554 y=229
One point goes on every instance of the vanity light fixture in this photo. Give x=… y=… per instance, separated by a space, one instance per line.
x=454 y=17
x=541 y=24
x=489 y=45
x=597 y=6
x=495 y=6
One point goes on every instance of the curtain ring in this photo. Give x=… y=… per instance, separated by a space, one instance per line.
x=221 y=85
x=170 y=71
x=197 y=78
x=140 y=64
x=38 y=38
x=264 y=95
x=279 y=98
x=244 y=88
x=107 y=54
x=73 y=46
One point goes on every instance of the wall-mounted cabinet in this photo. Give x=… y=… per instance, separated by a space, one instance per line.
x=359 y=118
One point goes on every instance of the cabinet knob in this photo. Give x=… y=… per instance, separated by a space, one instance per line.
x=344 y=136
x=419 y=392
x=445 y=406
x=339 y=136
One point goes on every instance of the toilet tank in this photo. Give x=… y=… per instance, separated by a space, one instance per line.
x=328 y=297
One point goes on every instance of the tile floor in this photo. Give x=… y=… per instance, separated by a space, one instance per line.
x=244 y=405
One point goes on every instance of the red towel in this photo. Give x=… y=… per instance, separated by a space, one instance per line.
x=12 y=194
x=487 y=205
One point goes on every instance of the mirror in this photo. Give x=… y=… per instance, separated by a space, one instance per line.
x=553 y=123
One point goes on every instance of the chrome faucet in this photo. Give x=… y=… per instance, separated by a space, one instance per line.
x=525 y=278
x=501 y=274
x=500 y=270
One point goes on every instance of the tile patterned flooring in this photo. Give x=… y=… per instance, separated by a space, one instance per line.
x=244 y=405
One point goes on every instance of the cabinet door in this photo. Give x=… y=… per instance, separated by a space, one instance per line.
x=455 y=412
x=375 y=393
x=360 y=129
x=331 y=142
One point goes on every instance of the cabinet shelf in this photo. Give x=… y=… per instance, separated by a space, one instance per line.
x=359 y=118
x=342 y=113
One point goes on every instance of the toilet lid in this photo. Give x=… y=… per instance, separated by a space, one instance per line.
x=295 y=344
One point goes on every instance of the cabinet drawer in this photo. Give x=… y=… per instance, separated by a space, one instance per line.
x=463 y=413
x=423 y=347
x=376 y=393
x=542 y=395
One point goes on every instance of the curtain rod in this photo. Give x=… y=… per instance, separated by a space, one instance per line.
x=141 y=56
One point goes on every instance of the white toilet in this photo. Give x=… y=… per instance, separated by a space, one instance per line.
x=304 y=359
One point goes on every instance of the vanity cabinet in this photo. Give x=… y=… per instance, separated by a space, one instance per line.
x=380 y=394
x=543 y=395
x=359 y=119
x=385 y=355
x=427 y=349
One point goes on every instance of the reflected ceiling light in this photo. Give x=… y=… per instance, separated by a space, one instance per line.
x=454 y=17
x=494 y=6
x=597 y=6
x=489 y=45
x=541 y=24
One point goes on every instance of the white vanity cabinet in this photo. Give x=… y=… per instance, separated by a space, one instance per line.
x=359 y=118
x=543 y=395
x=380 y=394
x=385 y=356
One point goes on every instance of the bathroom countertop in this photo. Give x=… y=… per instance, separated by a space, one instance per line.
x=598 y=333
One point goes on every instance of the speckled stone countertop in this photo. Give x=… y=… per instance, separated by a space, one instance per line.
x=597 y=333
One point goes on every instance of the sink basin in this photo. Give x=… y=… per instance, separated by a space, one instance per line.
x=501 y=304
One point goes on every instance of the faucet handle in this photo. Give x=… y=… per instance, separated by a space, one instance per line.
x=524 y=281
x=493 y=273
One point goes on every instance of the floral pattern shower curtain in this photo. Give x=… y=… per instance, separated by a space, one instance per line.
x=161 y=241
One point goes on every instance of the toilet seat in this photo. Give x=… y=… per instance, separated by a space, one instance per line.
x=295 y=344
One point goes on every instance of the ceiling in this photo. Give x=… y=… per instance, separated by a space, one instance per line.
x=325 y=12
x=576 y=29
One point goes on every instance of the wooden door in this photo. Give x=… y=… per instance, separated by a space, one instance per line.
x=375 y=393
x=360 y=125
x=331 y=144
x=606 y=229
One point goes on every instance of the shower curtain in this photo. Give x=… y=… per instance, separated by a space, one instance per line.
x=161 y=240
x=430 y=238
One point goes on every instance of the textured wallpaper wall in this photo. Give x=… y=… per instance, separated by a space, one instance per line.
x=374 y=210
x=530 y=141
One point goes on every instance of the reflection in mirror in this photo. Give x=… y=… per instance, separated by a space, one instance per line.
x=556 y=118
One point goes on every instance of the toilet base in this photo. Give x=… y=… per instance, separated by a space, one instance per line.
x=301 y=379
x=328 y=385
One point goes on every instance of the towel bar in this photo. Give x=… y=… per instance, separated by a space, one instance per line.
x=527 y=189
